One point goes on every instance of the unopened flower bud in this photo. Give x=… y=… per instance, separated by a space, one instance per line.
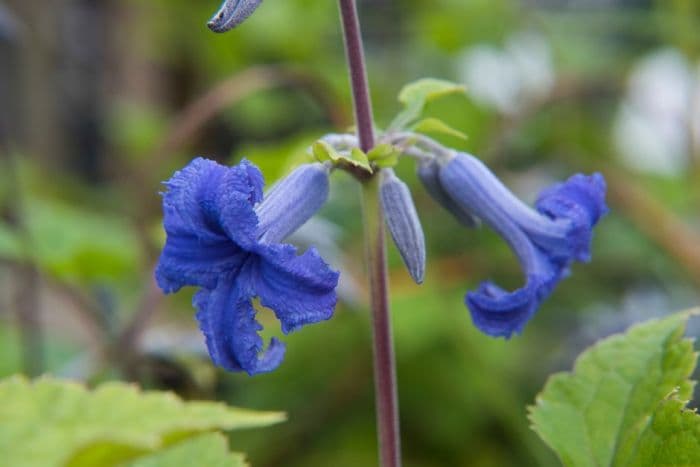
x=404 y=225
x=292 y=202
x=429 y=175
x=231 y=14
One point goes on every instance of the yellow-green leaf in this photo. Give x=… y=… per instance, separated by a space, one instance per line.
x=428 y=89
x=435 y=125
x=359 y=159
x=384 y=155
x=52 y=422
x=210 y=450
x=324 y=152
x=415 y=96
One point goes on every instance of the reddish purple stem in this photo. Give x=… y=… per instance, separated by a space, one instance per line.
x=384 y=366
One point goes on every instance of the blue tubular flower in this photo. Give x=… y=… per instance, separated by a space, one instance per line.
x=286 y=207
x=428 y=172
x=215 y=241
x=545 y=240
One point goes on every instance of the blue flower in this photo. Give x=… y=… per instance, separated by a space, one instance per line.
x=546 y=240
x=217 y=241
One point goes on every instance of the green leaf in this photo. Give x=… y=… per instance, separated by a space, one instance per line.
x=384 y=155
x=599 y=414
x=670 y=437
x=324 y=152
x=359 y=159
x=210 y=450
x=415 y=96
x=51 y=422
x=428 y=89
x=435 y=125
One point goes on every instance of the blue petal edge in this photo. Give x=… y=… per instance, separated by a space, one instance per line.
x=227 y=319
x=300 y=290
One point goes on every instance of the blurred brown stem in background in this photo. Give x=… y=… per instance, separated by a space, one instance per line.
x=125 y=347
x=656 y=221
x=239 y=86
x=26 y=301
x=28 y=317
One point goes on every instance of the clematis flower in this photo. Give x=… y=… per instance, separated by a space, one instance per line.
x=546 y=239
x=224 y=238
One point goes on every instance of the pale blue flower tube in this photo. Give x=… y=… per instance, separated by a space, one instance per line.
x=546 y=239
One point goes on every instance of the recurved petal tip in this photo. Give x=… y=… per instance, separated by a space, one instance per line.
x=500 y=313
x=231 y=14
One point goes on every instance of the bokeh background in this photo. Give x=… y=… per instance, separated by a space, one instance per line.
x=102 y=100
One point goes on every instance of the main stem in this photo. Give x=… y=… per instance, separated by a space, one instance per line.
x=384 y=366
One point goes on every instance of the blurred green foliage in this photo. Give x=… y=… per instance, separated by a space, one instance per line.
x=463 y=395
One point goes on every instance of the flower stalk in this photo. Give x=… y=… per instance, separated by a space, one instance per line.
x=375 y=247
x=386 y=395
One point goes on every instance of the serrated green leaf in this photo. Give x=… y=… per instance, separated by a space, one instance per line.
x=670 y=438
x=210 y=450
x=416 y=95
x=598 y=414
x=435 y=125
x=51 y=422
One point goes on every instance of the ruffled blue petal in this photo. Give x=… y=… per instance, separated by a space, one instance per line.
x=209 y=220
x=189 y=192
x=500 y=313
x=545 y=241
x=581 y=201
x=208 y=200
x=299 y=289
x=227 y=319
x=237 y=193
x=188 y=260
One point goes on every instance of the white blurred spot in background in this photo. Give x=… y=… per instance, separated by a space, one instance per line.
x=511 y=78
x=659 y=120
